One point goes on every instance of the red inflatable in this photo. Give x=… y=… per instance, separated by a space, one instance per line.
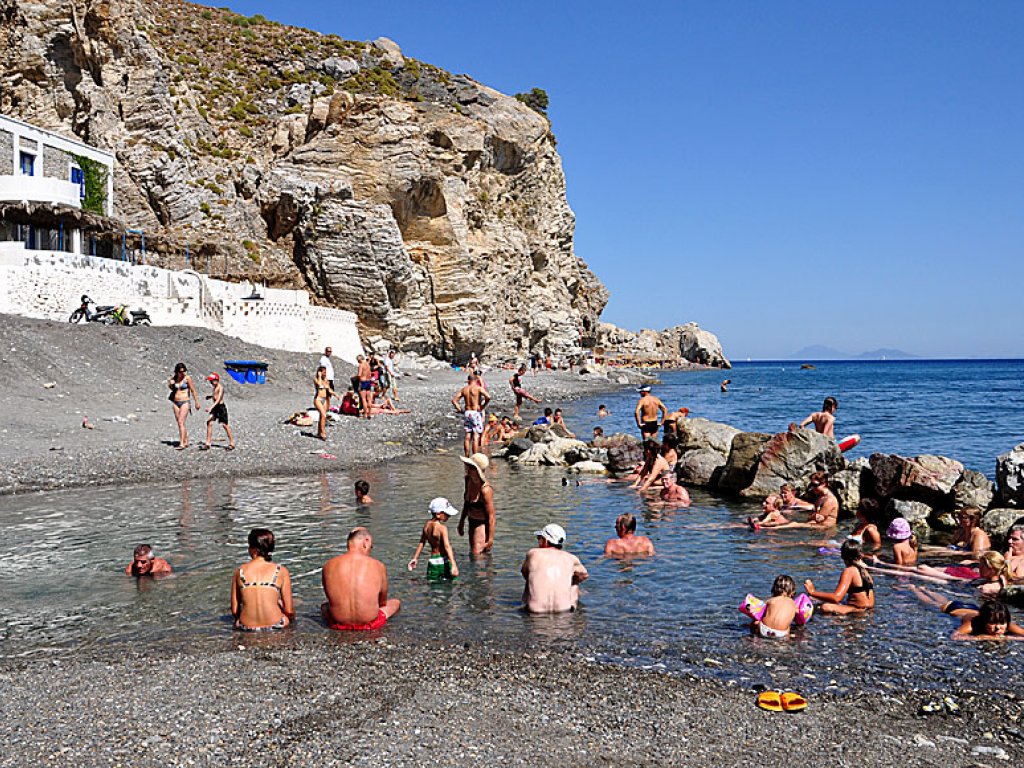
x=849 y=442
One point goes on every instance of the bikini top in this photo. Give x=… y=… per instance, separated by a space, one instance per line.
x=182 y=384
x=272 y=583
x=866 y=586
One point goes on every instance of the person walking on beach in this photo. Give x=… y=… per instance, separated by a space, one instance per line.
x=824 y=420
x=218 y=412
x=649 y=413
x=477 y=505
x=517 y=388
x=474 y=398
x=325 y=361
x=552 y=575
x=321 y=396
x=391 y=368
x=365 y=376
x=261 y=594
x=626 y=543
x=441 y=564
x=356 y=586
x=144 y=564
x=183 y=391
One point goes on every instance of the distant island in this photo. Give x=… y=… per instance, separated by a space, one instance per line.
x=820 y=352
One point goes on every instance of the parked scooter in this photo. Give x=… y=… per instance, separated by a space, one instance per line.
x=118 y=314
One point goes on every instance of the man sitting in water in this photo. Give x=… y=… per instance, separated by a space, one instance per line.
x=552 y=575
x=627 y=543
x=672 y=491
x=825 y=513
x=144 y=564
x=356 y=586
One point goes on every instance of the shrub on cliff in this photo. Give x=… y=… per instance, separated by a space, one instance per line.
x=536 y=99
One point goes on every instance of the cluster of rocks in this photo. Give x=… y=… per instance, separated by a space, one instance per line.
x=926 y=490
x=681 y=342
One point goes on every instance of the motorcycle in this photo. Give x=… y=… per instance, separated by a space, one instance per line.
x=118 y=314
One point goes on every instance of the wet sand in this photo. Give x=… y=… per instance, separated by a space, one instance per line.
x=303 y=700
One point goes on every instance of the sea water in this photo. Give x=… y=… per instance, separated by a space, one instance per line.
x=63 y=553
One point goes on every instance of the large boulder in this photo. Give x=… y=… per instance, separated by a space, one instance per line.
x=973 y=489
x=591 y=467
x=997 y=522
x=846 y=484
x=538 y=454
x=558 y=449
x=925 y=478
x=915 y=512
x=1010 y=477
x=698 y=434
x=560 y=431
x=587 y=453
x=788 y=457
x=517 y=446
x=740 y=467
x=624 y=456
x=618 y=438
x=701 y=467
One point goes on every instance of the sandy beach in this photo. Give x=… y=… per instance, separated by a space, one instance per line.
x=296 y=699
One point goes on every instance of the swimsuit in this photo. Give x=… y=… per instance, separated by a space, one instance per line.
x=649 y=428
x=365 y=386
x=473 y=421
x=280 y=623
x=765 y=631
x=220 y=413
x=962 y=572
x=958 y=605
x=380 y=621
x=439 y=567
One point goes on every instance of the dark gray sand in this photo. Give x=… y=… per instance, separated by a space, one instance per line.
x=374 y=703
x=117 y=378
x=310 y=701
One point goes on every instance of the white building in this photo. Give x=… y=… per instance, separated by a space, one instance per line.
x=40 y=170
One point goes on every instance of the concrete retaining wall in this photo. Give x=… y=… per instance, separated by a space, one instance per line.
x=49 y=284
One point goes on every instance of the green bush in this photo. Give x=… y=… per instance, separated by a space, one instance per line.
x=536 y=99
x=94 y=176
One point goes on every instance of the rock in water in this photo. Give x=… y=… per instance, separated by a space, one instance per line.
x=926 y=478
x=701 y=467
x=973 y=489
x=997 y=522
x=1010 y=477
x=624 y=456
x=698 y=434
x=788 y=457
x=741 y=465
x=683 y=342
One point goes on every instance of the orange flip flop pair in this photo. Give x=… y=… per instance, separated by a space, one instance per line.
x=774 y=701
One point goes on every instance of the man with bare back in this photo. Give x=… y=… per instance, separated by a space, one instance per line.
x=474 y=398
x=824 y=420
x=365 y=375
x=649 y=413
x=356 y=586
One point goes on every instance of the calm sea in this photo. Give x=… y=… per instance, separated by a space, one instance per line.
x=63 y=552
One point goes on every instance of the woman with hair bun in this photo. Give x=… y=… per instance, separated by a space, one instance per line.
x=261 y=591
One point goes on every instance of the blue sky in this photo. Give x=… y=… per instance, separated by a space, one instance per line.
x=784 y=174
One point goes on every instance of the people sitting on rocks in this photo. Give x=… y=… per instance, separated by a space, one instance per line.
x=552 y=575
x=654 y=463
x=1015 y=552
x=145 y=564
x=356 y=586
x=508 y=429
x=557 y=419
x=866 y=529
x=626 y=542
x=546 y=420
x=824 y=421
x=261 y=591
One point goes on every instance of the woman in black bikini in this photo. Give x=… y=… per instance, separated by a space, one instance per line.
x=321 y=391
x=855 y=585
x=182 y=391
x=477 y=505
x=261 y=592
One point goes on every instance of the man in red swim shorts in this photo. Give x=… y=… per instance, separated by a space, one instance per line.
x=356 y=586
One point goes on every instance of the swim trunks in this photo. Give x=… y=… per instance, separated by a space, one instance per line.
x=366 y=386
x=380 y=621
x=220 y=413
x=439 y=568
x=649 y=428
x=962 y=572
x=958 y=605
x=767 y=632
x=473 y=421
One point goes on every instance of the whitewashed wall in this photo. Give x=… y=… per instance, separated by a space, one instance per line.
x=48 y=285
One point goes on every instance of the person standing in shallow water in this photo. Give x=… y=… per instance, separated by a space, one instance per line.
x=478 y=505
x=183 y=391
x=552 y=575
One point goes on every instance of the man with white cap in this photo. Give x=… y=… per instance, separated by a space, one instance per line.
x=552 y=575
x=648 y=418
x=477 y=505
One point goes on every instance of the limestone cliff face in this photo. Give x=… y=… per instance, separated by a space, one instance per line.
x=430 y=205
x=682 y=342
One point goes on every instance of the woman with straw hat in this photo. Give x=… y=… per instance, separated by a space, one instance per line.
x=477 y=505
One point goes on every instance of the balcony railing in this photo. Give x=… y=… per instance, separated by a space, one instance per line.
x=39 y=189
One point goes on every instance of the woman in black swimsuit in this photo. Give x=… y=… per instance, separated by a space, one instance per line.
x=182 y=391
x=855 y=585
x=321 y=392
x=261 y=592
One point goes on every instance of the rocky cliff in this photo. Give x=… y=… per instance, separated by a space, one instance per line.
x=432 y=206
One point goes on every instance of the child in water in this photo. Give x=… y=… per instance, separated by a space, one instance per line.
x=780 y=610
x=904 y=544
x=441 y=564
x=855 y=585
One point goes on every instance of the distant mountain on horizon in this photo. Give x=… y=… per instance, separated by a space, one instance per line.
x=821 y=352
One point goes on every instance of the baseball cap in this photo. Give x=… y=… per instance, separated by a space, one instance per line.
x=553 y=533
x=442 y=505
x=213 y=377
x=898 y=530
x=644 y=388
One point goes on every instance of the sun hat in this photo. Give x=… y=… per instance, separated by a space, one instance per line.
x=213 y=377
x=442 y=505
x=492 y=417
x=553 y=533
x=479 y=462
x=898 y=530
